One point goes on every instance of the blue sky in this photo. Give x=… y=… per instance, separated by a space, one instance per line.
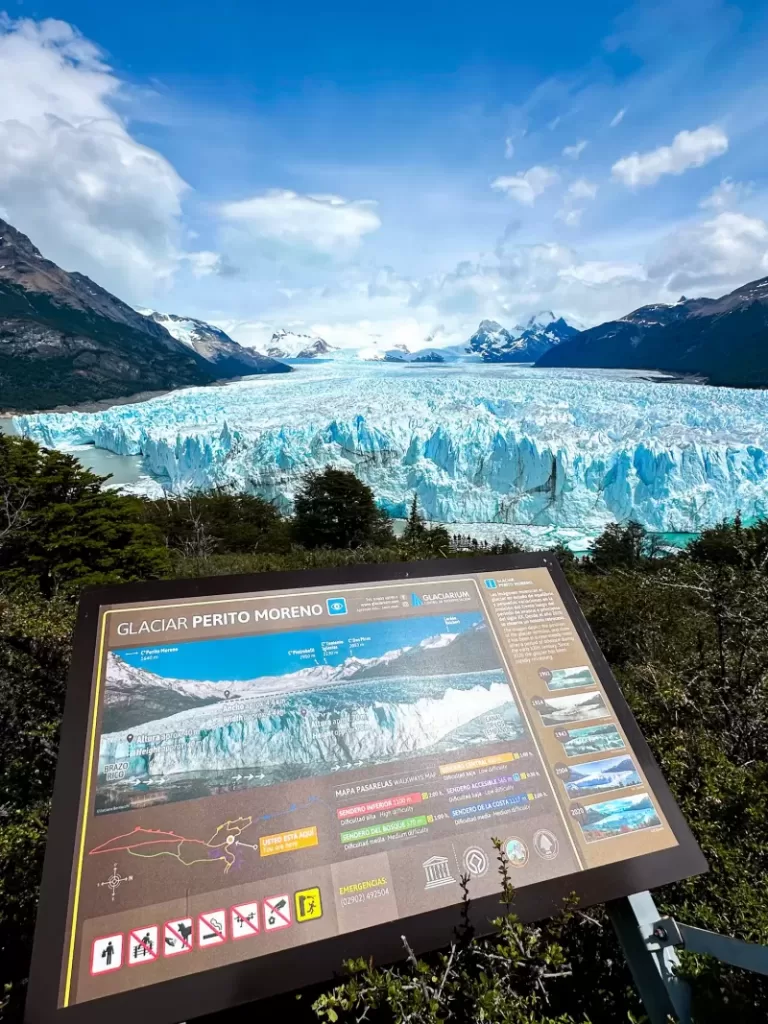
x=397 y=171
x=249 y=657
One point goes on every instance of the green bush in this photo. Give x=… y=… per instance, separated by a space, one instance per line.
x=217 y=522
x=60 y=530
x=509 y=977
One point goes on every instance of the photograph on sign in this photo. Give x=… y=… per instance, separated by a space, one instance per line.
x=290 y=766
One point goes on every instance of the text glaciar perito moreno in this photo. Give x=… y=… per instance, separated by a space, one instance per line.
x=213 y=619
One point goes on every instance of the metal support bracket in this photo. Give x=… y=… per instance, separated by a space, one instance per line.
x=665 y=932
x=650 y=944
x=652 y=957
x=749 y=956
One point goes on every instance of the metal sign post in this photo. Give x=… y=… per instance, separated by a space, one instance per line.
x=650 y=944
x=663 y=994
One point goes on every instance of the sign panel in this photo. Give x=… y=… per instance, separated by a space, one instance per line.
x=312 y=761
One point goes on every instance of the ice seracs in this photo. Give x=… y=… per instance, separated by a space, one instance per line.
x=561 y=453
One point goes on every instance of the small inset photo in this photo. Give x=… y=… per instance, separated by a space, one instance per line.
x=567 y=678
x=600 y=776
x=621 y=816
x=573 y=707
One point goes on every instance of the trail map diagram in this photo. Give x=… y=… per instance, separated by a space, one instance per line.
x=147 y=842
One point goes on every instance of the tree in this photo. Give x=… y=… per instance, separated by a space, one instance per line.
x=217 y=522
x=422 y=540
x=568 y=561
x=60 y=527
x=733 y=544
x=35 y=639
x=336 y=510
x=623 y=545
x=414 y=527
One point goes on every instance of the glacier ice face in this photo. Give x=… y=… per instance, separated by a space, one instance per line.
x=549 y=452
x=369 y=723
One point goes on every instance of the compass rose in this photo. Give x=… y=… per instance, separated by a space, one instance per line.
x=114 y=881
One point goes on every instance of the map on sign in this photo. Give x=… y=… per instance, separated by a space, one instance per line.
x=290 y=766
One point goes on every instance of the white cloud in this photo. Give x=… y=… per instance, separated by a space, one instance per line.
x=71 y=176
x=688 y=149
x=509 y=148
x=716 y=254
x=364 y=307
x=526 y=185
x=322 y=222
x=578 y=190
x=575 y=151
x=617 y=118
x=727 y=194
x=205 y=263
x=554 y=123
x=603 y=272
x=582 y=189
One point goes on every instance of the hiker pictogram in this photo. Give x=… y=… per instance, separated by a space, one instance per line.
x=107 y=954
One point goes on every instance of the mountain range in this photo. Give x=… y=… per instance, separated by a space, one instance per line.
x=135 y=695
x=724 y=340
x=523 y=344
x=228 y=357
x=65 y=340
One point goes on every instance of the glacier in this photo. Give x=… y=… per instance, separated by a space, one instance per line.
x=366 y=723
x=547 y=453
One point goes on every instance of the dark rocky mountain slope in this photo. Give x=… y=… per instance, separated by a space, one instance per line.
x=65 y=340
x=724 y=340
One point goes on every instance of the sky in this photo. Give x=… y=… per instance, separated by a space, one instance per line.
x=397 y=172
x=270 y=654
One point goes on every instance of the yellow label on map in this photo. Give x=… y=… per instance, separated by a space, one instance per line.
x=477 y=762
x=287 y=842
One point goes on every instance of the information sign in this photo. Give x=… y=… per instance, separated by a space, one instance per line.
x=311 y=761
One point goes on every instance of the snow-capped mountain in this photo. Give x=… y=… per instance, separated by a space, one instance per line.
x=724 y=339
x=65 y=339
x=135 y=694
x=522 y=344
x=402 y=354
x=288 y=345
x=215 y=345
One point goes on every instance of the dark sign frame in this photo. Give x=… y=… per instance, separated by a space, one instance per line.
x=221 y=988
